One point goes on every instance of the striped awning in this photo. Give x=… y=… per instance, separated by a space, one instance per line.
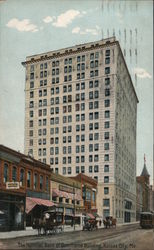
x=58 y=193
x=32 y=202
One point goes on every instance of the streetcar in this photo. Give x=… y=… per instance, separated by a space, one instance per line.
x=147 y=219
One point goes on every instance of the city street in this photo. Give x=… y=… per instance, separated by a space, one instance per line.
x=123 y=237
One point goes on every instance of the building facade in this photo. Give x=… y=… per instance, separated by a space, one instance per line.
x=20 y=176
x=144 y=194
x=80 y=117
x=67 y=196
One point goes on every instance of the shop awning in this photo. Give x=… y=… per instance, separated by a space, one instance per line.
x=32 y=202
x=90 y=216
x=58 y=193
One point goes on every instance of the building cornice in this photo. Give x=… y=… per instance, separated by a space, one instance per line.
x=75 y=50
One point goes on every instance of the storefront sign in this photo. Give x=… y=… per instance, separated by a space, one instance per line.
x=12 y=185
x=66 y=189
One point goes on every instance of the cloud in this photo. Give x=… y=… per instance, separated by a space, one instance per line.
x=119 y=16
x=66 y=18
x=48 y=19
x=23 y=25
x=142 y=73
x=76 y=30
x=95 y=31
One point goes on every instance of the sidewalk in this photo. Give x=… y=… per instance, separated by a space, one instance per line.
x=31 y=232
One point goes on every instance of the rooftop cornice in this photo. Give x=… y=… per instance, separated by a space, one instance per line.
x=74 y=51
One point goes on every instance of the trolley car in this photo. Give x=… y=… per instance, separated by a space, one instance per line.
x=147 y=219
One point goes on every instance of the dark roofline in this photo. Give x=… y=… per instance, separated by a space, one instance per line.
x=24 y=157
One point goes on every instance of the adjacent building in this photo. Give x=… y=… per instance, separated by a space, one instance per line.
x=80 y=117
x=24 y=183
x=143 y=192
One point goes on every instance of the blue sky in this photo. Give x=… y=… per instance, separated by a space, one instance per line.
x=30 y=27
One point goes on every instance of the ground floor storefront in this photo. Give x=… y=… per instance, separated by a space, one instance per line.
x=12 y=211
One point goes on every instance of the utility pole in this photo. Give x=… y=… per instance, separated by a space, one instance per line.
x=74 y=204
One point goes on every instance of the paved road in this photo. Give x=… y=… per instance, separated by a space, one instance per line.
x=124 y=238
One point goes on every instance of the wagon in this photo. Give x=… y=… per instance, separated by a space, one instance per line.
x=50 y=222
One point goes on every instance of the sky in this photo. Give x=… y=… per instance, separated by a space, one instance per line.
x=31 y=27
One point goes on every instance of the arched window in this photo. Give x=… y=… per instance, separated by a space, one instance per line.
x=29 y=179
x=47 y=184
x=14 y=174
x=6 y=172
x=35 y=181
x=22 y=177
x=41 y=182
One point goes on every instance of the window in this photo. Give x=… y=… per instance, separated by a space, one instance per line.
x=41 y=182
x=107 y=114
x=82 y=137
x=77 y=170
x=107 y=103
x=69 y=149
x=91 y=56
x=107 y=70
x=35 y=181
x=96 y=168
x=106 y=146
x=106 y=157
x=77 y=149
x=90 y=169
x=83 y=85
x=14 y=174
x=106 y=179
x=22 y=177
x=31 y=76
x=107 y=52
x=107 y=60
x=82 y=127
x=69 y=170
x=82 y=117
x=31 y=85
x=64 y=170
x=82 y=96
x=106 y=190
x=78 y=86
x=106 y=168
x=82 y=169
x=31 y=94
x=96 y=104
x=82 y=148
x=90 y=158
x=107 y=124
x=82 y=106
x=96 y=147
x=6 y=172
x=91 y=95
x=96 y=94
x=106 y=202
x=82 y=158
x=28 y=179
x=96 y=115
x=96 y=158
x=96 y=136
x=47 y=184
x=96 y=125
x=107 y=81
x=90 y=137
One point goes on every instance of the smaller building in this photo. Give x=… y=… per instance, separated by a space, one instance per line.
x=151 y=198
x=21 y=176
x=89 y=192
x=67 y=196
x=142 y=192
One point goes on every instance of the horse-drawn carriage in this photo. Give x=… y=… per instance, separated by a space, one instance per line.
x=109 y=222
x=50 y=222
x=90 y=223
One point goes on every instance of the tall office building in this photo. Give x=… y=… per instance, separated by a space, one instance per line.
x=80 y=116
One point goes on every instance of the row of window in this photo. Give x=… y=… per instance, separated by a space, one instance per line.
x=69 y=60
x=93 y=73
x=56 y=90
x=39 y=181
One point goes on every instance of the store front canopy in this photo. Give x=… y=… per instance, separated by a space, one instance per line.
x=91 y=216
x=58 y=193
x=32 y=202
